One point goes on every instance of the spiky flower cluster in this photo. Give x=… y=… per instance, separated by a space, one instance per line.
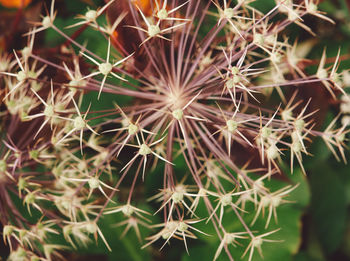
x=220 y=96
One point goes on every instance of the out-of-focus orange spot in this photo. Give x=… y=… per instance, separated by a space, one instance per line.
x=146 y=8
x=15 y=3
x=144 y=5
x=116 y=37
x=115 y=34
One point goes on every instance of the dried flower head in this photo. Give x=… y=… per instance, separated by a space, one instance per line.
x=217 y=97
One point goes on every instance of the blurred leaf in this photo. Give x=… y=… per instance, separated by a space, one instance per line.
x=302 y=256
x=328 y=206
x=301 y=196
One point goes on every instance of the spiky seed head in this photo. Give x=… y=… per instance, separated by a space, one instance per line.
x=270 y=39
x=90 y=227
x=166 y=235
x=322 y=73
x=11 y=106
x=337 y=79
x=24 y=116
x=104 y=154
x=229 y=13
x=177 y=197
x=79 y=123
x=287 y=4
x=27 y=102
x=94 y=183
x=30 y=198
x=67 y=230
x=77 y=83
x=144 y=150
x=299 y=125
x=172 y=225
x=22 y=233
x=7 y=230
x=295 y=136
x=345 y=120
x=345 y=105
x=265 y=201
x=46 y=22
x=36 y=86
x=297 y=146
x=312 y=8
x=49 y=111
x=26 y=51
x=57 y=171
x=132 y=129
x=182 y=227
x=292 y=15
x=236 y=79
x=236 y=76
x=287 y=115
x=100 y=158
x=153 y=30
x=226 y=200
x=276 y=57
x=259 y=39
x=246 y=196
x=162 y=14
x=272 y=152
x=22 y=183
x=73 y=83
x=125 y=122
x=206 y=60
x=21 y=76
x=266 y=132
x=178 y=114
x=229 y=239
x=234 y=70
x=276 y=201
x=257 y=242
x=232 y=126
x=32 y=74
x=91 y=15
x=3 y=166
x=341 y=137
x=19 y=255
x=230 y=83
x=34 y=154
x=105 y=68
x=258 y=185
x=127 y=210
x=64 y=203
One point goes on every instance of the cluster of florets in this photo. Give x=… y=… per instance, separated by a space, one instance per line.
x=198 y=99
